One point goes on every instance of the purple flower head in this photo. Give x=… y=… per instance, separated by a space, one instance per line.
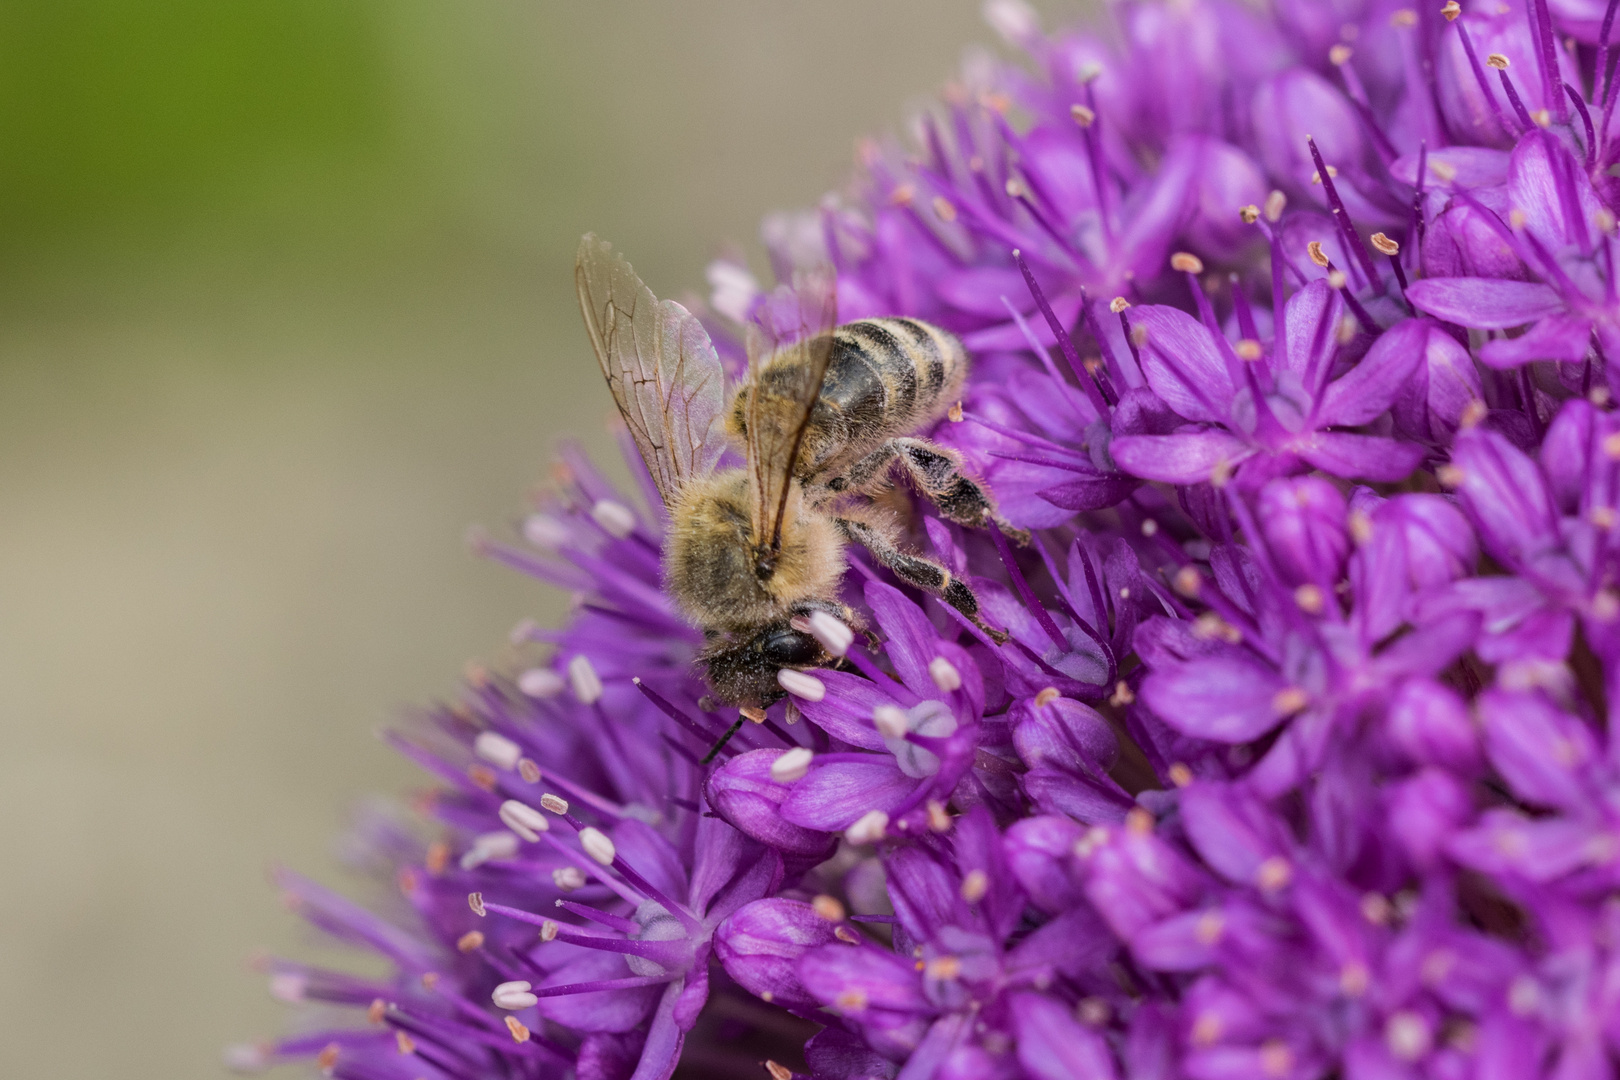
x=1283 y=748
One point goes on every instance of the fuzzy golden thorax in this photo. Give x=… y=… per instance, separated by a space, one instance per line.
x=712 y=568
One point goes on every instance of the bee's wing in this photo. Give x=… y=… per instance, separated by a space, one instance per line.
x=799 y=332
x=659 y=364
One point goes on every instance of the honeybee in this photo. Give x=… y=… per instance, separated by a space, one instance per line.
x=824 y=415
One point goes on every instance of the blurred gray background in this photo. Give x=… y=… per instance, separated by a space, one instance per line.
x=285 y=304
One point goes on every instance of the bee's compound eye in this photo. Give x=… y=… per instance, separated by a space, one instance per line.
x=787 y=646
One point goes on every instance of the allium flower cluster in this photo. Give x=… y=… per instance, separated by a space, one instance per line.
x=1296 y=334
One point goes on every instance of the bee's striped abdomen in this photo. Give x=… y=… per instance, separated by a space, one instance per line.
x=889 y=377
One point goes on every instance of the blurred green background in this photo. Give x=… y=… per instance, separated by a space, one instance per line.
x=285 y=304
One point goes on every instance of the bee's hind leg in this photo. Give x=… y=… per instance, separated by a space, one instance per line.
x=937 y=473
x=916 y=570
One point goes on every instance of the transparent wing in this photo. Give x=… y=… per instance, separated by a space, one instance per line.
x=659 y=365
x=788 y=350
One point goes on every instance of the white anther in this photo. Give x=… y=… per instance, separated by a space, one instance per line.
x=556 y=804
x=944 y=674
x=545 y=532
x=491 y=845
x=524 y=820
x=792 y=765
x=871 y=827
x=616 y=519
x=513 y=996
x=568 y=878
x=288 y=986
x=597 y=845
x=586 y=683
x=548 y=930
x=975 y=885
x=522 y=632
x=529 y=771
x=801 y=685
x=1407 y=1035
x=890 y=721
x=497 y=749
x=540 y=683
x=830 y=630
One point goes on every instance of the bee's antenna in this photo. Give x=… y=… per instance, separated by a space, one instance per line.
x=721 y=745
x=747 y=712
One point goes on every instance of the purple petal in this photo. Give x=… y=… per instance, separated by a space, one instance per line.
x=599 y=1010
x=760 y=946
x=1038 y=851
x=845 y=712
x=1504 y=493
x=880 y=978
x=1231 y=829
x=831 y=797
x=1182 y=363
x=1228 y=698
x=1189 y=458
x=1557 y=337
x=1053 y=1045
x=743 y=793
x=1303 y=519
x=1541 y=751
x=835 y=1054
x=1363 y=457
x=1373 y=384
x=1430 y=723
x=1423 y=812
x=1484 y=303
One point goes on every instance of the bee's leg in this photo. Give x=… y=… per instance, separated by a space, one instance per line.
x=918 y=571
x=861 y=475
x=937 y=472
